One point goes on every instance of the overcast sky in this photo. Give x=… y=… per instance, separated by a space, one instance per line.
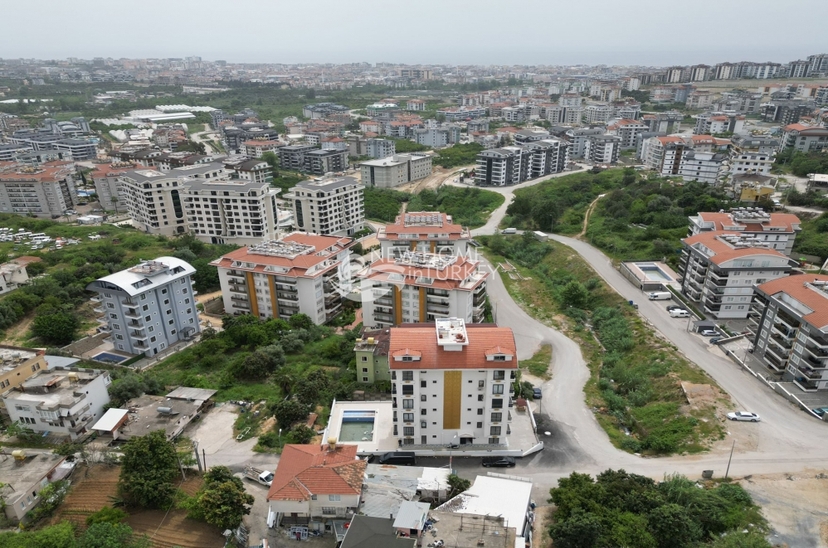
x=555 y=32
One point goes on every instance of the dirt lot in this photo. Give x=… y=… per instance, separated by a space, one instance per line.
x=96 y=486
x=795 y=506
x=439 y=176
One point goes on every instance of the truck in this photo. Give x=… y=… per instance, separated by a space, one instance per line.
x=265 y=477
x=660 y=296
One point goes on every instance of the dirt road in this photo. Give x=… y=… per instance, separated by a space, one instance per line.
x=434 y=181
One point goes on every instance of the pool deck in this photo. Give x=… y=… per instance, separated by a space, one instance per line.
x=383 y=439
x=638 y=273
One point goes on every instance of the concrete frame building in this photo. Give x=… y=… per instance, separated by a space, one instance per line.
x=777 y=230
x=627 y=130
x=451 y=383
x=422 y=287
x=12 y=275
x=320 y=162
x=301 y=272
x=61 y=402
x=804 y=138
x=753 y=154
x=515 y=164
x=577 y=141
x=380 y=148
x=334 y=206
x=17 y=365
x=395 y=170
x=602 y=149
x=788 y=322
x=712 y=123
x=719 y=271
x=371 y=350
x=423 y=232
x=148 y=307
x=155 y=201
x=45 y=191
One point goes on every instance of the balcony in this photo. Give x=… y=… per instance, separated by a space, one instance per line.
x=782 y=341
x=102 y=319
x=129 y=302
x=132 y=313
x=99 y=310
x=385 y=318
x=777 y=352
x=790 y=324
x=138 y=335
x=284 y=296
x=237 y=289
x=141 y=345
x=95 y=299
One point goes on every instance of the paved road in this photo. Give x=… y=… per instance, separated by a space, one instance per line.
x=208 y=147
x=789 y=440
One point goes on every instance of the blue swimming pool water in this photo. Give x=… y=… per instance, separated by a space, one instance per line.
x=111 y=358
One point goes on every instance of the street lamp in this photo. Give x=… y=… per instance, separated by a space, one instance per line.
x=451 y=447
x=280 y=437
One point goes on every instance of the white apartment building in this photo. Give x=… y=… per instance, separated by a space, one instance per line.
x=704 y=167
x=395 y=170
x=305 y=273
x=696 y=157
x=421 y=287
x=789 y=329
x=149 y=307
x=804 y=138
x=334 y=206
x=777 y=230
x=256 y=147
x=230 y=211
x=45 y=191
x=107 y=179
x=753 y=154
x=719 y=271
x=423 y=232
x=515 y=164
x=712 y=123
x=627 y=130
x=451 y=383
x=380 y=148
x=578 y=138
x=12 y=276
x=598 y=114
x=602 y=149
x=62 y=402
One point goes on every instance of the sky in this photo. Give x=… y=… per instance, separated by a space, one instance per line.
x=481 y=32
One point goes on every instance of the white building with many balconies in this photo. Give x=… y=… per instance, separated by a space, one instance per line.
x=451 y=383
x=777 y=230
x=423 y=232
x=305 y=273
x=333 y=206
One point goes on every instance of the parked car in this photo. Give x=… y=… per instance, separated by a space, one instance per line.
x=537 y=393
x=743 y=416
x=399 y=457
x=820 y=411
x=674 y=307
x=679 y=313
x=499 y=462
x=708 y=332
x=715 y=340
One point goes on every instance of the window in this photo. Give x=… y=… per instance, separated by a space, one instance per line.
x=494 y=441
x=364 y=379
x=480 y=397
x=480 y=425
x=145 y=307
x=365 y=358
x=408 y=390
x=481 y=384
x=494 y=430
x=110 y=305
x=423 y=384
x=423 y=397
x=408 y=375
x=334 y=498
x=423 y=412
x=497 y=404
x=499 y=375
x=423 y=424
x=408 y=404
x=408 y=430
x=408 y=417
x=113 y=316
x=166 y=301
x=497 y=389
x=329 y=510
x=169 y=311
x=480 y=411
x=497 y=417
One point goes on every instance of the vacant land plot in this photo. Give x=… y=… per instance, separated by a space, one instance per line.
x=96 y=486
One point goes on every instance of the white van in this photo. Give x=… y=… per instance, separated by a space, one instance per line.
x=679 y=313
x=660 y=296
x=509 y=231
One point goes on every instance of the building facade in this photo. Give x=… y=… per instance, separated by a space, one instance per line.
x=304 y=273
x=719 y=271
x=44 y=191
x=776 y=230
x=395 y=170
x=149 y=307
x=602 y=149
x=334 y=206
x=423 y=232
x=753 y=154
x=804 y=138
x=452 y=383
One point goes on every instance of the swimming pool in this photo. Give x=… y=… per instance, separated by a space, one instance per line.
x=357 y=426
x=654 y=273
x=108 y=357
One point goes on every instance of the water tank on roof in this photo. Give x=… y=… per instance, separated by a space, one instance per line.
x=165 y=410
x=19 y=455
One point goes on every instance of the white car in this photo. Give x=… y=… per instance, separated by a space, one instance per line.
x=743 y=416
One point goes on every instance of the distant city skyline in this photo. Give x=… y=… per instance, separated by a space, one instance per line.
x=536 y=32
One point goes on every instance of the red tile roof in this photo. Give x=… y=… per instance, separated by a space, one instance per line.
x=306 y=470
x=422 y=338
x=796 y=287
x=722 y=220
x=46 y=172
x=724 y=251
x=454 y=231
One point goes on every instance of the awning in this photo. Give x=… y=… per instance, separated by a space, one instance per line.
x=466 y=436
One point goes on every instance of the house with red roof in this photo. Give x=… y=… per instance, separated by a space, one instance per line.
x=315 y=482
x=451 y=383
x=719 y=270
x=788 y=324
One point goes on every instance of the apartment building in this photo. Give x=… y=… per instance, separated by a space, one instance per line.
x=380 y=148
x=628 y=131
x=515 y=164
x=456 y=114
x=300 y=273
x=435 y=136
x=334 y=206
x=546 y=156
x=578 y=138
x=804 y=138
x=244 y=169
x=451 y=383
x=419 y=287
x=13 y=274
x=702 y=167
x=78 y=149
x=719 y=271
x=254 y=148
x=415 y=104
x=292 y=157
x=753 y=154
x=602 y=149
x=61 y=402
x=789 y=330
x=10 y=152
x=423 y=232
x=17 y=365
x=786 y=112
x=694 y=158
x=371 y=350
x=395 y=170
x=598 y=114
x=45 y=190
x=712 y=123
x=663 y=122
x=154 y=201
x=148 y=307
x=777 y=230
x=236 y=212
x=320 y=162
x=699 y=99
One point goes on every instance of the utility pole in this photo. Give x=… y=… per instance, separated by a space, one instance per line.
x=730 y=459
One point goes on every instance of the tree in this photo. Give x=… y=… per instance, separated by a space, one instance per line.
x=55 y=326
x=148 y=468
x=300 y=434
x=457 y=485
x=111 y=535
x=288 y=412
x=221 y=501
x=107 y=514
x=300 y=321
x=574 y=294
x=582 y=530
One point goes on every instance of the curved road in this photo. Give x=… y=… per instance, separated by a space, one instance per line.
x=789 y=440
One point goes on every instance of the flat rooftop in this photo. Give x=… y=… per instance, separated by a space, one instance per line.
x=145 y=417
x=466 y=531
x=21 y=475
x=328 y=184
